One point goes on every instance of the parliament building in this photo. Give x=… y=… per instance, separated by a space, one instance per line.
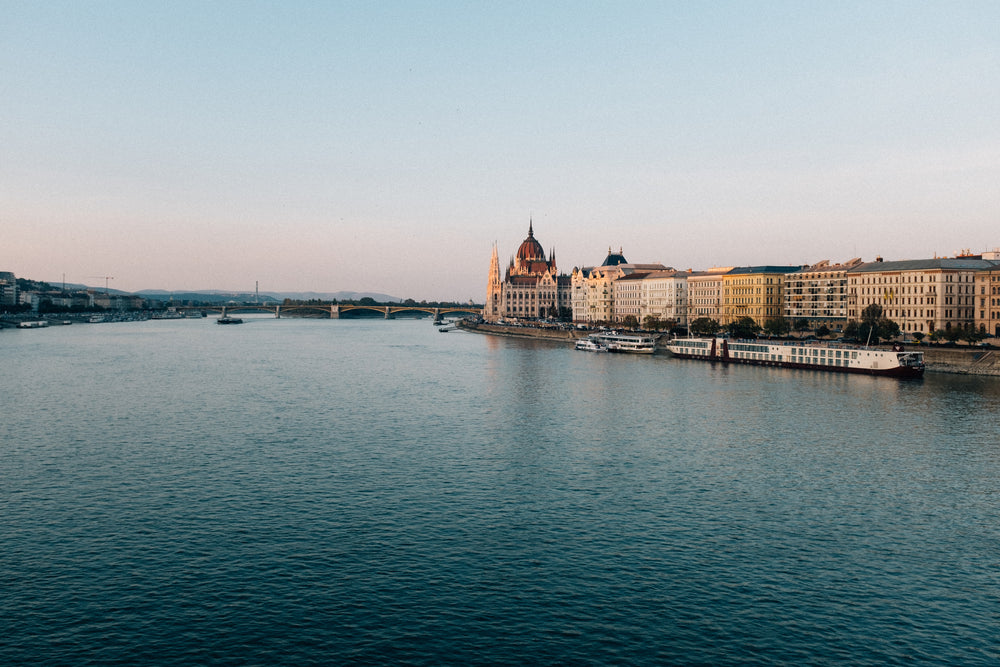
x=531 y=288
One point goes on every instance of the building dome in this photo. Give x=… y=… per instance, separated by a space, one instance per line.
x=614 y=259
x=530 y=250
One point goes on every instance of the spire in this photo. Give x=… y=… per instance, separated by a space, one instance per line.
x=531 y=233
x=494 y=278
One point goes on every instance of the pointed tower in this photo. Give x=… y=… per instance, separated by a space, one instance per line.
x=491 y=310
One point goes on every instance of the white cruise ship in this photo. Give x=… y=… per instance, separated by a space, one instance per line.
x=895 y=362
x=624 y=342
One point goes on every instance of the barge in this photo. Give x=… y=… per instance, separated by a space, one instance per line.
x=841 y=358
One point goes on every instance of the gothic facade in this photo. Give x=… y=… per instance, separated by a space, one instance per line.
x=531 y=288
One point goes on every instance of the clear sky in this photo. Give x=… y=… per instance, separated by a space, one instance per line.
x=384 y=146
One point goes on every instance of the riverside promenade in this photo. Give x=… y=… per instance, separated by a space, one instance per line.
x=958 y=360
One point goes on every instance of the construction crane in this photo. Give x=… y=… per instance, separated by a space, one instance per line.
x=106 y=279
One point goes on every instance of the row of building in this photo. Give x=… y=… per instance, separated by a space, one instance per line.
x=11 y=295
x=923 y=295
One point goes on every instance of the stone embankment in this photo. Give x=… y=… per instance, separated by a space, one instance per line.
x=982 y=361
x=549 y=333
x=979 y=361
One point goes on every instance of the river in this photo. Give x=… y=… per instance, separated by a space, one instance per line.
x=368 y=492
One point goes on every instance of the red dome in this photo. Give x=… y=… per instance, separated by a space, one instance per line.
x=530 y=250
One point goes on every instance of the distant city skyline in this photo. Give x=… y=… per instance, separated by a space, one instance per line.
x=386 y=147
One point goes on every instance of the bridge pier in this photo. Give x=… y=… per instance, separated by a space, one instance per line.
x=388 y=313
x=437 y=315
x=334 y=312
x=277 y=312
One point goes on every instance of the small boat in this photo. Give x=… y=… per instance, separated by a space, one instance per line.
x=590 y=345
x=229 y=320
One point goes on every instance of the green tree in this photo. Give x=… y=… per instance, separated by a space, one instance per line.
x=651 y=322
x=874 y=327
x=970 y=334
x=744 y=327
x=801 y=325
x=705 y=326
x=823 y=331
x=630 y=322
x=918 y=336
x=952 y=334
x=776 y=326
x=851 y=329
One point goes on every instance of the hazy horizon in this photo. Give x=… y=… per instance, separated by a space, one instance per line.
x=385 y=147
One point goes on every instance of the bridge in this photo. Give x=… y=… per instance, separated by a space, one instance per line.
x=335 y=311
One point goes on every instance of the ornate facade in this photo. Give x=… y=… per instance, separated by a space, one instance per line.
x=594 y=298
x=920 y=295
x=531 y=287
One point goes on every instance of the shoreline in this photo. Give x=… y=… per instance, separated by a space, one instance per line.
x=953 y=360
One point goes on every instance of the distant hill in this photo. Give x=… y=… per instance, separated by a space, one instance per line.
x=330 y=296
x=219 y=296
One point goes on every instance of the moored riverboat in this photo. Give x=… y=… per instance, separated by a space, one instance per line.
x=629 y=343
x=590 y=345
x=895 y=362
x=226 y=319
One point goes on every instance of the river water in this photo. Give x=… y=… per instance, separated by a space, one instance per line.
x=368 y=492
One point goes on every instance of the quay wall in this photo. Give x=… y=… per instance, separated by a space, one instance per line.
x=962 y=361
x=566 y=335
x=938 y=359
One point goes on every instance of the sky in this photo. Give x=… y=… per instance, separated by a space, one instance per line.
x=386 y=146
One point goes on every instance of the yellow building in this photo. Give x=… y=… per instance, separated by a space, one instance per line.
x=754 y=291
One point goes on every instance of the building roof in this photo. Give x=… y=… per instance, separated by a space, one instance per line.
x=667 y=273
x=939 y=263
x=614 y=259
x=825 y=265
x=633 y=276
x=742 y=270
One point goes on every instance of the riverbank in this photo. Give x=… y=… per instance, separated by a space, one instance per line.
x=550 y=333
x=962 y=361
